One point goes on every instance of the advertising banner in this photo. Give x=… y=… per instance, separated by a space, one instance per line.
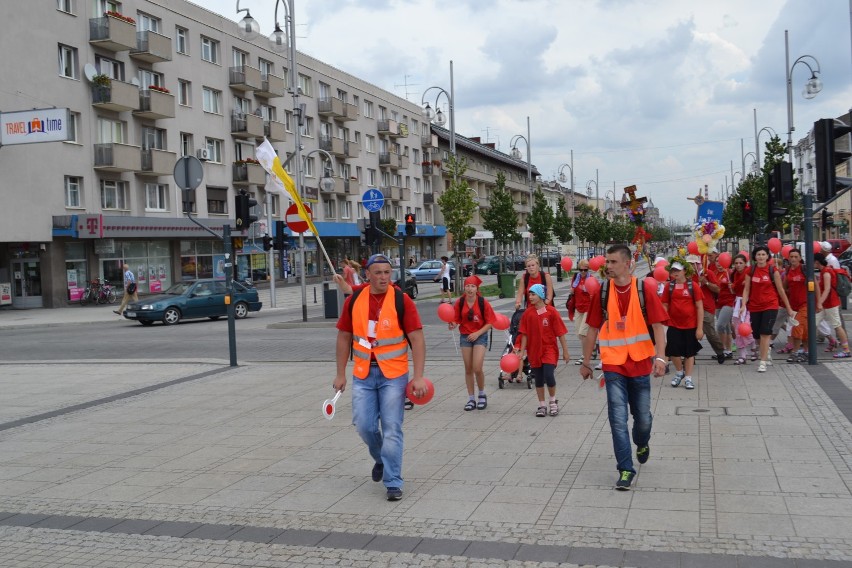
x=38 y=125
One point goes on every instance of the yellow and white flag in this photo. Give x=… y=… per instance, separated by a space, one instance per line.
x=280 y=181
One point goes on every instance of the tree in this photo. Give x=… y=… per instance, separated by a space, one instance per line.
x=621 y=229
x=590 y=225
x=388 y=226
x=562 y=224
x=500 y=217
x=457 y=206
x=661 y=234
x=540 y=221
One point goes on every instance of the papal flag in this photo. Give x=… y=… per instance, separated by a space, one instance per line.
x=280 y=181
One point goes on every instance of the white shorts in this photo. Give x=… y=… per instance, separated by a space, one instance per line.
x=831 y=317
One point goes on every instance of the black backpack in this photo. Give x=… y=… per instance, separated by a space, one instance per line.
x=460 y=303
x=688 y=285
x=399 y=303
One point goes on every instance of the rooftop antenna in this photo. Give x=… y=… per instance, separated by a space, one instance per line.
x=487 y=131
x=406 y=84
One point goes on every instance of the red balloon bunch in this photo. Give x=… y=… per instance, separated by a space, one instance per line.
x=596 y=262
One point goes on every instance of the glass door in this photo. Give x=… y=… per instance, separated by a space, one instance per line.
x=26 y=283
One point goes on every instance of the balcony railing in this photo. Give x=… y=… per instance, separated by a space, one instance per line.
x=249 y=174
x=387 y=127
x=274 y=131
x=155 y=104
x=152 y=47
x=246 y=125
x=244 y=78
x=112 y=34
x=351 y=149
x=428 y=198
x=157 y=162
x=333 y=145
x=271 y=86
x=330 y=106
x=117 y=157
x=117 y=96
x=350 y=112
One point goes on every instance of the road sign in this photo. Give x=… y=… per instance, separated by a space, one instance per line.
x=294 y=222
x=188 y=173
x=373 y=200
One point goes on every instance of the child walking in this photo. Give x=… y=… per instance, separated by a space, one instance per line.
x=685 y=305
x=541 y=325
x=474 y=317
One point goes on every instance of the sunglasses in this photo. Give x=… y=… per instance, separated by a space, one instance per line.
x=584 y=270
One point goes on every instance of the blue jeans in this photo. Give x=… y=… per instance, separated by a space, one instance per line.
x=622 y=391
x=378 y=400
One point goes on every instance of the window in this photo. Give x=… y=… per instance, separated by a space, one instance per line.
x=242 y=105
x=328 y=208
x=416 y=185
x=343 y=170
x=309 y=167
x=276 y=203
x=184 y=93
x=209 y=50
x=428 y=216
x=383 y=113
x=113 y=194
x=186 y=144
x=288 y=117
x=153 y=138
x=385 y=178
x=305 y=85
x=345 y=209
x=285 y=73
x=67 y=61
x=243 y=150
x=267 y=113
x=212 y=100
x=214 y=149
x=240 y=58
x=156 y=195
x=397 y=212
x=371 y=177
x=217 y=200
x=324 y=91
x=72 y=126
x=370 y=146
x=147 y=23
x=266 y=67
x=357 y=137
x=182 y=40
x=368 y=108
x=66 y=6
x=308 y=127
x=343 y=95
x=110 y=131
x=72 y=191
x=110 y=67
x=150 y=78
x=102 y=6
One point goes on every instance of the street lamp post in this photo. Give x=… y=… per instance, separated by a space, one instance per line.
x=516 y=154
x=589 y=185
x=437 y=116
x=757 y=134
x=563 y=179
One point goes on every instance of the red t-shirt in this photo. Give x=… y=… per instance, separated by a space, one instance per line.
x=581 y=297
x=682 y=313
x=762 y=295
x=797 y=288
x=542 y=330
x=655 y=314
x=707 y=296
x=833 y=297
x=468 y=326
x=738 y=281
x=726 y=295
x=410 y=322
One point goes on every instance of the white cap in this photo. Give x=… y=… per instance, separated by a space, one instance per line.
x=825 y=245
x=677 y=266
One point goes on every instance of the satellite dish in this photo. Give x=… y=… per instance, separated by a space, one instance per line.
x=89 y=71
x=135 y=81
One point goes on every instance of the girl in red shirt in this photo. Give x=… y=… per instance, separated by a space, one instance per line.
x=724 y=308
x=686 y=321
x=796 y=285
x=745 y=344
x=474 y=324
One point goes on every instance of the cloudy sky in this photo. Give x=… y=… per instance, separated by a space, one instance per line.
x=656 y=93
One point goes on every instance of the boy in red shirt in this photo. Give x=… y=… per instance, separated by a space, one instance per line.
x=685 y=305
x=540 y=326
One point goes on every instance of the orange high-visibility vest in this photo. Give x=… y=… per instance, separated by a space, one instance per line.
x=634 y=340
x=389 y=348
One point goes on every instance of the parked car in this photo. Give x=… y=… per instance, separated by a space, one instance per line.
x=466 y=264
x=193 y=299
x=549 y=258
x=488 y=265
x=429 y=270
x=838 y=246
x=516 y=262
x=410 y=284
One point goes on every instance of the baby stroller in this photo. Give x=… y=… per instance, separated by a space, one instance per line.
x=511 y=338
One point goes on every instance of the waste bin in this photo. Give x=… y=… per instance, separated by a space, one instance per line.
x=506 y=283
x=332 y=300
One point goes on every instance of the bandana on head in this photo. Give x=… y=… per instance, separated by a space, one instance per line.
x=538 y=290
x=473 y=279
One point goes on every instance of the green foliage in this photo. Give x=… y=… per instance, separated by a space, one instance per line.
x=590 y=225
x=661 y=234
x=540 y=221
x=501 y=218
x=562 y=224
x=388 y=226
x=621 y=229
x=457 y=204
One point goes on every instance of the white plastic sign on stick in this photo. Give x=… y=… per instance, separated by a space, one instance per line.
x=328 y=406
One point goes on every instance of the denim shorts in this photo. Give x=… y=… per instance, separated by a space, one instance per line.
x=482 y=340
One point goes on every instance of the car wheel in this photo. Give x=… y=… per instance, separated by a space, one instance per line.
x=214 y=318
x=241 y=310
x=413 y=293
x=146 y=322
x=171 y=316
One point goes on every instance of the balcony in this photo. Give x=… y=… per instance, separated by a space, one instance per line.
x=351 y=149
x=388 y=128
x=387 y=192
x=393 y=161
x=403 y=161
x=271 y=86
x=428 y=169
x=428 y=198
x=152 y=47
x=114 y=157
x=244 y=78
x=274 y=131
x=117 y=96
x=157 y=163
x=341 y=187
x=330 y=107
x=111 y=33
x=249 y=174
x=404 y=193
x=155 y=104
x=350 y=112
x=333 y=145
x=246 y=125
x=429 y=141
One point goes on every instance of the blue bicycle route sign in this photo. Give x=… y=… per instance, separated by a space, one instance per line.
x=373 y=200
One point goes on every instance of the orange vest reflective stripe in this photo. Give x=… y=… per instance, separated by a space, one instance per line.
x=390 y=349
x=634 y=340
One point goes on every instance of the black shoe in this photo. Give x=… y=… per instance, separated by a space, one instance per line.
x=394 y=493
x=408 y=404
x=378 y=471
x=625 y=478
x=642 y=454
x=720 y=358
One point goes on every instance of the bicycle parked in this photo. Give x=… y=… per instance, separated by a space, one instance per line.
x=97 y=292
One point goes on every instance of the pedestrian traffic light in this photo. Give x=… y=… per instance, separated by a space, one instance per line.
x=748 y=212
x=826 y=157
x=827 y=219
x=410 y=224
x=280 y=241
x=243 y=204
x=267 y=243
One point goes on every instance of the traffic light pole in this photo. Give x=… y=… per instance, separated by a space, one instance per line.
x=808 y=202
x=270 y=257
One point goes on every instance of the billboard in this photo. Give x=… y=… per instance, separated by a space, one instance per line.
x=32 y=126
x=710 y=211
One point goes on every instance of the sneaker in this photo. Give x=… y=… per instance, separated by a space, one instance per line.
x=394 y=493
x=687 y=383
x=599 y=367
x=720 y=358
x=643 y=453
x=378 y=471
x=678 y=377
x=762 y=367
x=541 y=412
x=625 y=479
x=729 y=354
x=769 y=359
x=793 y=358
x=578 y=362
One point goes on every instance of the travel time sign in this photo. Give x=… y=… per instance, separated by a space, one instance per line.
x=38 y=125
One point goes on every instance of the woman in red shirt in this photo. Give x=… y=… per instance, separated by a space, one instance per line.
x=828 y=303
x=685 y=304
x=473 y=322
x=761 y=293
x=796 y=285
x=745 y=343
x=724 y=308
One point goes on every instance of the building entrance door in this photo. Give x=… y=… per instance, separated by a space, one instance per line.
x=26 y=283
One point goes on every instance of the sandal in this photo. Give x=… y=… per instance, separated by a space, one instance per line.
x=470 y=405
x=740 y=361
x=831 y=347
x=842 y=355
x=786 y=349
x=554 y=407
x=408 y=404
x=541 y=412
x=753 y=357
x=483 y=402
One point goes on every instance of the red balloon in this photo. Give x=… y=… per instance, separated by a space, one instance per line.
x=510 y=363
x=774 y=245
x=785 y=251
x=501 y=322
x=692 y=247
x=593 y=285
x=745 y=254
x=817 y=247
x=446 y=312
x=662 y=262
x=661 y=274
x=744 y=329
x=724 y=260
x=596 y=262
x=566 y=263
x=427 y=396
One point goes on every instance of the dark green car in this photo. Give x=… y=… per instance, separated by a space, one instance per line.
x=488 y=265
x=193 y=299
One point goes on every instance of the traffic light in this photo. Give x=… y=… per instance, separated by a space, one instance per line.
x=826 y=130
x=780 y=189
x=280 y=236
x=827 y=219
x=243 y=203
x=748 y=212
x=410 y=224
x=267 y=242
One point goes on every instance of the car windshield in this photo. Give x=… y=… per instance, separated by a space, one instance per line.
x=178 y=289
